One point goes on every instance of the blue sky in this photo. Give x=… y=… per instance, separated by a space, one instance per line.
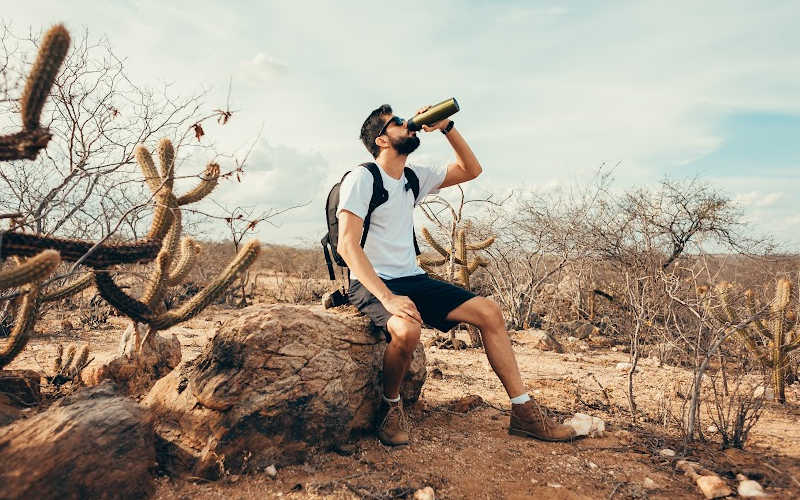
x=549 y=90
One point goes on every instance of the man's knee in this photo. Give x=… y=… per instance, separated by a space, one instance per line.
x=405 y=333
x=490 y=315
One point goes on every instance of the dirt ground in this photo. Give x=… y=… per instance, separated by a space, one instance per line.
x=460 y=446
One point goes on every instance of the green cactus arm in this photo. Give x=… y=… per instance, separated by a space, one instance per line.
x=69 y=358
x=246 y=256
x=431 y=261
x=24 y=145
x=154 y=292
x=722 y=291
x=122 y=302
x=473 y=266
x=783 y=292
x=24 y=320
x=481 y=245
x=156 y=284
x=461 y=246
x=52 y=52
x=151 y=175
x=79 y=285
x=757 y=324
x=433 y=274
x=208 y=181
x=33 y=269
x=166 y=160
x=162 y=217
x=81 y=360
x=107 y=254
x=434 y=244
x=57 y=363
x=188 y=256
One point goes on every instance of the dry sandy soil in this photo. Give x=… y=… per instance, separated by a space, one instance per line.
x=460 y=446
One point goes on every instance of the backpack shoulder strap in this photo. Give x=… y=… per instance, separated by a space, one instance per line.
x=379 y=196
x=413 y=182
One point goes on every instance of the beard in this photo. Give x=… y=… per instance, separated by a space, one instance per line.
x=406 y=145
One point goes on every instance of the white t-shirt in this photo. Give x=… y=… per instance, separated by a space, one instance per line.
x=390 y=245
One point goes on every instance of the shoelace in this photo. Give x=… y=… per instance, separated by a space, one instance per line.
x=543 y=414
x=402 y=416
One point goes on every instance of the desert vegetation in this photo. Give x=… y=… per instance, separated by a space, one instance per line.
x=198 y=367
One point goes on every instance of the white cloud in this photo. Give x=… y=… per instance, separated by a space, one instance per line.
x=263 y=68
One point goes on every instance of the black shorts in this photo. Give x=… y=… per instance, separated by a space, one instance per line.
x=434 y=300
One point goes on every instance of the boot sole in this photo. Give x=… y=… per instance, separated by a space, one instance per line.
x=393 y=445
x=524 y=433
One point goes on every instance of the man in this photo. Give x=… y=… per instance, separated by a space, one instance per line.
x=391 y=289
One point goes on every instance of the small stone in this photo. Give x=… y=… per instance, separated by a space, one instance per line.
x=534 y=481
x=553 y=485
x=614 y=349
x=572 y=339
x=271 y=471
x=425 y=493
x=592 y=465
x=649 y=484
x=768 y=393
x=623 y=367
x=749 y=488
x=713 y=486
x=666 y=452
x=712 y=429
x=586 y=425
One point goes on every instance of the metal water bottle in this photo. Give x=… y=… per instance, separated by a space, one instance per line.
x=434 y=114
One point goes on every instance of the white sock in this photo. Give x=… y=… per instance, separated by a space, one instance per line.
x=522 y=398
x=395 y=400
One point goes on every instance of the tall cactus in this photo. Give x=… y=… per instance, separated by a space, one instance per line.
x=176 y=256
x=27 y=143
x=770 y=340
x=465 y=267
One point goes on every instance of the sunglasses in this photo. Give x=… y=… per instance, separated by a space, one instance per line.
x=395 y=119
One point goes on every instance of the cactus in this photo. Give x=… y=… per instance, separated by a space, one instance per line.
x=771 y=340
x=27 y=143
x=142 y=313
x=176 y=256
x=105 y=255
x=24 y=319
x=71 y=367
x=34 y=269
x=465 y=267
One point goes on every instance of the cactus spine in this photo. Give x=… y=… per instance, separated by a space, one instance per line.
x=465 y=267
x=32 y=138
x=771 y=340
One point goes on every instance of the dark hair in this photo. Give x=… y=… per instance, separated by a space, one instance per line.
x=372 y=126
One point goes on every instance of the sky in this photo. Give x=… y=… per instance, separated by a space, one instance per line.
x=548 y=90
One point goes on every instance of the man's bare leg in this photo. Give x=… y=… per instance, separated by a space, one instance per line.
x=486 y=315
x=397 y=357
x=527 y=418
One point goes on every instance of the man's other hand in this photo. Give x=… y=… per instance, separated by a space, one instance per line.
x=403 y=307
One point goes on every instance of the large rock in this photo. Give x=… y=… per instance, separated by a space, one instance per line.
x=92 y=444
x=274 y=384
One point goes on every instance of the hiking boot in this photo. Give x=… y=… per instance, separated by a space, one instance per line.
x=531 y=420
x=393 y=430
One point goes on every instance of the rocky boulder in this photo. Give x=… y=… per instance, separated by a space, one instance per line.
x=92 y=444
x=274 y=384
